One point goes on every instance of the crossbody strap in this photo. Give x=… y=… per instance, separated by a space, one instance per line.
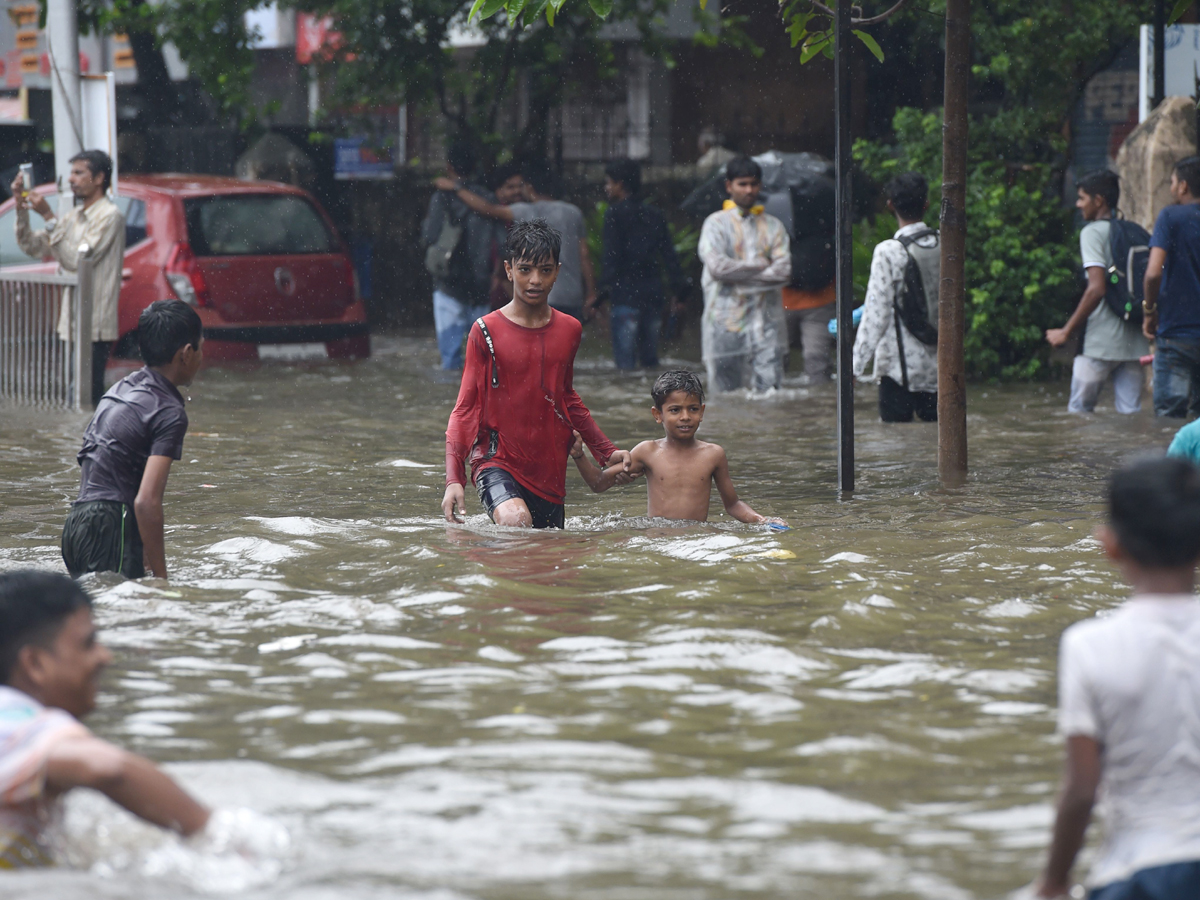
x=487 y=336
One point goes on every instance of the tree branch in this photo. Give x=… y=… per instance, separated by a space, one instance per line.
x=873 y=20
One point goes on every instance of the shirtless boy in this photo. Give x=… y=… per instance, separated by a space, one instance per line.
x=679 y=469
x=50 y=663
x=517 y=407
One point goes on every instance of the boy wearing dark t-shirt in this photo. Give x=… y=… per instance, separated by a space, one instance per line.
x=116 y=524
x=517 y=408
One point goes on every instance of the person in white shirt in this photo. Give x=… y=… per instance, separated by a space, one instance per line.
x=1112 y=348
x=747 y=261
x=95 y=221
x=50 y=665
x=905 y=362
x=1129 y=701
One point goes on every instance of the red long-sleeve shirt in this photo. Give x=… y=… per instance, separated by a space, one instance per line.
x=523 y=424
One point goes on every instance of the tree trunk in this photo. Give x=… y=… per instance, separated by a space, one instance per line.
x=952 y=386
x=160 y=98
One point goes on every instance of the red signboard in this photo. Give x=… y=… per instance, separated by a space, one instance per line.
x=314 y=36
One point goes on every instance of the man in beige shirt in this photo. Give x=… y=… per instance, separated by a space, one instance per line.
x=94 y=221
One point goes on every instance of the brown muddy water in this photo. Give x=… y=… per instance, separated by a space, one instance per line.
x=627 y=710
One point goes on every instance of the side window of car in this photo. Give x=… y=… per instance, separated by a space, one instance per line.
x=135 y=219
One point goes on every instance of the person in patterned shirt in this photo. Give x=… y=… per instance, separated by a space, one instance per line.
x=905 y=367
x=747 y=262
x=50 y=664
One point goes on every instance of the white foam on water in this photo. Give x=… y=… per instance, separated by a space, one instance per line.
x=406 y=464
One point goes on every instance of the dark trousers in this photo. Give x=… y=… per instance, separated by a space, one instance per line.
x=1176 y=377
x=898 y=405
x=100 y=350
x=635 y=336
x=102 y=536
x=1177 y=881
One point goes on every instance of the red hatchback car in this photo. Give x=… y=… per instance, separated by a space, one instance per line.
x=261 y=262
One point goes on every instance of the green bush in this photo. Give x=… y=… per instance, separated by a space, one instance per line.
x=1022 y=260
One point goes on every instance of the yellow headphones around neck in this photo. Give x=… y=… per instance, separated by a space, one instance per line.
x=756 y=210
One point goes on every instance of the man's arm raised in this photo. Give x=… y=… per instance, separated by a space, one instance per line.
x=474 y=201
x=148 y=510
x=127 y=779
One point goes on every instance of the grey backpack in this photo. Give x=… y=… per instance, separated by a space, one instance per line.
x=439 y=253
x=917 y=308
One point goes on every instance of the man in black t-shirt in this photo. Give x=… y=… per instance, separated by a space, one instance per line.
x=116 y=524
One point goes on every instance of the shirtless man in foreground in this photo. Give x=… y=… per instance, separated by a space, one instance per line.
x=679 y=469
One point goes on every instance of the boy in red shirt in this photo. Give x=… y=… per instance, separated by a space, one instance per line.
x=517 y=409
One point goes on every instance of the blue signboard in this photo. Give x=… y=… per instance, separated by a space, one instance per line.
x=355 y=158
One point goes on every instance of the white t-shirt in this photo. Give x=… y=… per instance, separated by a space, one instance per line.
x=1131 y=681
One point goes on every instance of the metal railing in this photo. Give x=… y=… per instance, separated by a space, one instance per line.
x=37 y=367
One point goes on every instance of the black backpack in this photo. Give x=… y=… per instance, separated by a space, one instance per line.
x=1129 y=244
x=814 y=200
x=912 y=308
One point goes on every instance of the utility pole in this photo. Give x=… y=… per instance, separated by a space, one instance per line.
x=62 y=32
x=1160 y=54
x=952 y=382
x=844 y=278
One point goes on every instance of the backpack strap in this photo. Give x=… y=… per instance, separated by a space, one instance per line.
x=900 y=344
x=909 y=239
x=487 y=336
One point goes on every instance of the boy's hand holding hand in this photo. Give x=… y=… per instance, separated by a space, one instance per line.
x=453 y=503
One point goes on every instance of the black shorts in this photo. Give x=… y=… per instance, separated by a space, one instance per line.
x=495 y=485
x=102 y=536
x=898 y=405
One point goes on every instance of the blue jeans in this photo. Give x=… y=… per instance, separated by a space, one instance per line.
x=453 y=320
x=1176 y=377
x=1178 y=881
x=635 y=336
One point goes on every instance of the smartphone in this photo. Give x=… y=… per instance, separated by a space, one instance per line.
x=26 y=170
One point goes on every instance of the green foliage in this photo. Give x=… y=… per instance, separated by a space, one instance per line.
x=400 y=53
x=812 y=31
x=210 y=35
x=1022 y=262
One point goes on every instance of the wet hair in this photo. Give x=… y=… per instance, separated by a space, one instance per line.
x=461 y=157
x=1154 y=508
x=33 y=606
x=627 y=172
x=676 y=380
x=909 y=193
x=164 y=327
x=1101 y=183
x=533 y=241
x=98 y=163
x=1188 y=169
x=742 y=167
x=537 y=172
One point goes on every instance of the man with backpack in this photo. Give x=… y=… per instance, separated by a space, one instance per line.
x=460 y=246
x=1112 y=342
x=1172 y=314
x=809 y=298
x=899 y=323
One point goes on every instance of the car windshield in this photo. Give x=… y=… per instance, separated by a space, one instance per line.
x=255 y=225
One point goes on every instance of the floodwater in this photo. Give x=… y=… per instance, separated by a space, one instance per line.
x=627 y=710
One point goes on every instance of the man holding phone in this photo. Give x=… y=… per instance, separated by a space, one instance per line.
x=95 y=221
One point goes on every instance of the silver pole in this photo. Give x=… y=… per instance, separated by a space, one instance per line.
x=83 y=329
x=62 y=30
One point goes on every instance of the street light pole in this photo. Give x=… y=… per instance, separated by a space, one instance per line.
x=1160 y=53
x=62 y=32
x=844 y=279
x=952 y=381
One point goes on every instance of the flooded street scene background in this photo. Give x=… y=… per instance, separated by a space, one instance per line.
x=630 y=708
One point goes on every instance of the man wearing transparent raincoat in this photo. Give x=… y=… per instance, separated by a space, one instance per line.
x=747 y=262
